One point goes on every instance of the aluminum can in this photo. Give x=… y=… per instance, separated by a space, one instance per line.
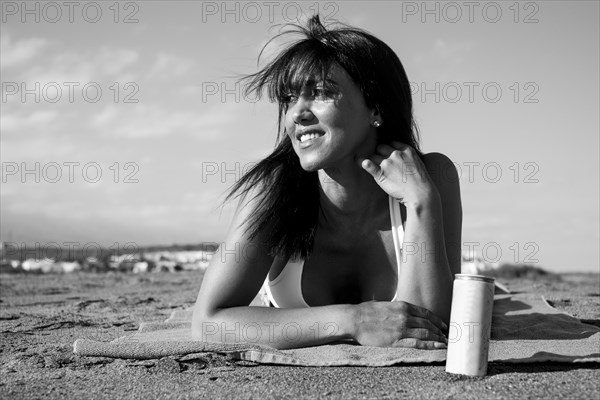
x=470 y=325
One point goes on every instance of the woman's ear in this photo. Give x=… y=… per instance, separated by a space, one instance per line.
x=375 y=117
x=375 y=114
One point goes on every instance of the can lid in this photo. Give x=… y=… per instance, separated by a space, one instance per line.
x=472 y=277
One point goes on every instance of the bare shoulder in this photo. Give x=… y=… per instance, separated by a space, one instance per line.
x=442 y=171
x=247 y=203
x=445 y=177
x=437 y=163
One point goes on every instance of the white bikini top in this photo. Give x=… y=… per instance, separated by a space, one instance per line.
x=285 y=291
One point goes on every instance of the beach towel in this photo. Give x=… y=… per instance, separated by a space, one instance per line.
x=525 y=329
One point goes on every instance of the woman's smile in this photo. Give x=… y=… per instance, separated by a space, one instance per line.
x=306 y=143
x=309 y=137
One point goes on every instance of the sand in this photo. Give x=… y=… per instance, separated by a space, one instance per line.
x=42 y=315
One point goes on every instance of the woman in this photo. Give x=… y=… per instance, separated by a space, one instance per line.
x=356 y=232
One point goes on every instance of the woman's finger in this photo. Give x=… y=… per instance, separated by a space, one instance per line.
x=425 y=334
x=399 y=145
x=377 y=159
x=417 y=311
x=370 y=167
x=419 y=344
x=385 y=150
x=418 y=322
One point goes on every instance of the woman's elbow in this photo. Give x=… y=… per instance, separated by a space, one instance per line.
x=204 y=327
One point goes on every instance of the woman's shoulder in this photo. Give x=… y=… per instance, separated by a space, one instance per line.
x=440 y=160
x=442 y=171
x=440 y=166
x=246 y=202
x=250 y=197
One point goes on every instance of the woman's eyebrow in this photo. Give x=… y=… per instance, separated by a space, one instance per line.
x=329 y=83
x=312 y=83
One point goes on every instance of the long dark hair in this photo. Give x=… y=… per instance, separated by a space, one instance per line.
x=288 y=208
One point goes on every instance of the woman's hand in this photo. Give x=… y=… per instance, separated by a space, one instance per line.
x=398 y=324
x=399 y=171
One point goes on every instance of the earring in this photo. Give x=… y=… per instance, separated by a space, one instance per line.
x=376 y=124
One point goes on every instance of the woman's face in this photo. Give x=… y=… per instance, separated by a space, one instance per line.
x=328 y=129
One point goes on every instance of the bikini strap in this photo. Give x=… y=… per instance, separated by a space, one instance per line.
x=397 y=228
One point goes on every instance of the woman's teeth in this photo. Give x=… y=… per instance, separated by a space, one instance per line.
x=308 y=136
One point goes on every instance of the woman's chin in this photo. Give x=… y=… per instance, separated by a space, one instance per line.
x=310 y=165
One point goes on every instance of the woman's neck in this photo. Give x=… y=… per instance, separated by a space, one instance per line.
x=350 y=197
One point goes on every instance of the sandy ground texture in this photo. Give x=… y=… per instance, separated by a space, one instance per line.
x=42 y=315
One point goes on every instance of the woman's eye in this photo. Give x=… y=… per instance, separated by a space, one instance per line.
x=322 y=94
x=315 y=94
x=290 y=98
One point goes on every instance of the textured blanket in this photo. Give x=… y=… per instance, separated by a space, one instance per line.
x=525 y=329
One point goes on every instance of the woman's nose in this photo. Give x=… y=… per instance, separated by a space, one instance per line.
x=301 y=112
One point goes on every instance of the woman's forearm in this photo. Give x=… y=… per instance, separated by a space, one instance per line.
x=424 y=277
x=278 y=328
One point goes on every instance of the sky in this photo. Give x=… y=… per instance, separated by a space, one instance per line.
x=122 y=123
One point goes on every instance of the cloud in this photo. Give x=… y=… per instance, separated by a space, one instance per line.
x=450 y=54
x=113 y=61
x=143 y=121
x=42 y=117
x=106 y=116
x=168 y=66
x=63 y=64
x=19 y=52
x=83 y=67
x=12 y=122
